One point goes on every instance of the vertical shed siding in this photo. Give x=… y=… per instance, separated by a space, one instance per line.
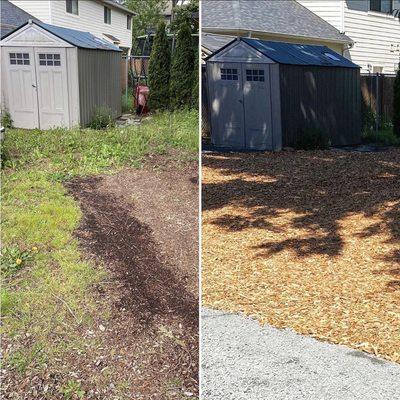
x=321 y=97
x=99 y=82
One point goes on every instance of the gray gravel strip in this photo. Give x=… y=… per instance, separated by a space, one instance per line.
x=242 y=360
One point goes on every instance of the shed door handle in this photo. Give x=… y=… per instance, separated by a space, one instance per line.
x=33 y=85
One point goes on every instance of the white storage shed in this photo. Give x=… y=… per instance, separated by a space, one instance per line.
x=57 y=77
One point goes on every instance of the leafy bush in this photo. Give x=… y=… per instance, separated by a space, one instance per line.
x=102 y=119
x=368 y=119
x=6 y=119
x=13 y=259
x=396 y=104
x=182 y=70
x=159 y=70
x=312 y=139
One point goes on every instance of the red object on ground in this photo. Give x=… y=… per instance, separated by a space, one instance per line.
x=142 y=93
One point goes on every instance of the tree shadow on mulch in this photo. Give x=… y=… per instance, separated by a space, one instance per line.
x=323 y=187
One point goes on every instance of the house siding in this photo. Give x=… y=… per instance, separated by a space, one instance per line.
x=375 y=35
x=330 y=11
x=90 y=18
x=39 y=9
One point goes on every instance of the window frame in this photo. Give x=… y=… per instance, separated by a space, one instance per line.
x=19 y=58
x=107 y=14
x=372 y=2
x=49 y=59
x=129 y=22
x=229 y=74
x=255 y=75
x=71 y=3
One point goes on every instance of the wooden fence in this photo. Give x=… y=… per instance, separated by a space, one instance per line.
x=377 y=95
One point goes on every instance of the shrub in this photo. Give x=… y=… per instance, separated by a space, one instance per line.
x=312 y=139
x=159 y=70
x=102 y=119
x=195 y=90
x=6 y=119
x=182 y=70
x=396 y=104
x=368 y=119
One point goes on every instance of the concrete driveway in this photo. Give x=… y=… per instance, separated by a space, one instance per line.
x=243 y=361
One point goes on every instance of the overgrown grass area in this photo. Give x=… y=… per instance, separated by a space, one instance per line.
x=46 y=296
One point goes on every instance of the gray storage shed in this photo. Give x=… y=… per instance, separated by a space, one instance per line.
x=263 y=95
x=58 y=77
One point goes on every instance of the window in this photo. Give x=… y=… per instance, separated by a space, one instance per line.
x=255 y=75
x=383 y=6
x=71 y=6
x=229 y=74
x=107 y=15
x=377 y=69
x=19 y=59
x=129 y=22
x=50 y=60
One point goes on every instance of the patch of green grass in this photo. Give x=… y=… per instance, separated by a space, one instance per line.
x=384 y=136
x=72 y=390
x=50 y=298
x=66 y=153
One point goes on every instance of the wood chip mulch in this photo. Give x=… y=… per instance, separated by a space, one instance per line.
x=308 y=241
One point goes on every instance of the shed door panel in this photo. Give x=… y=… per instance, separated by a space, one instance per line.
x=227 y=105
x=257 y=105
x=21 y=86
x=52 y=87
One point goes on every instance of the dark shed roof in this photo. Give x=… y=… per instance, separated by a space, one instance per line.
x=12 y=17
x=80 y=39
x=84 y=40
x=295 y=54
x=281 y=17
x=299 y=54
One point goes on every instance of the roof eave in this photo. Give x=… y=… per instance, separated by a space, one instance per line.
x=118 y=6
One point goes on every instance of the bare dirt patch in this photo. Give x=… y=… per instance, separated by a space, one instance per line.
x=306 y=240
x=142 y=225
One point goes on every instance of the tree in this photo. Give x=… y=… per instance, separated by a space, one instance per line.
x=396 y=104
x=184 y=13
x=159 y=70
x=182 y=68
x=195 y=90
x=149 y=13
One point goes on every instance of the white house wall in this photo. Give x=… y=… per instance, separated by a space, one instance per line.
x=376 y=35
x=329 y=10
x=39 y=9
x=90 y=17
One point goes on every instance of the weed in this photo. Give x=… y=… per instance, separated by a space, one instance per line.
x=127 y=103
x=72 y=390
x=102 y=119
x=13 y=259
x=384 y=136
x=22 y=359
x=6 y=119
x=312 y=139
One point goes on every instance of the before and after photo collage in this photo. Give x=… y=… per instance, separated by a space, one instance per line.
x=200 y=200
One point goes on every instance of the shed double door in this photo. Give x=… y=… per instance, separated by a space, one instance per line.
x=241 y=106
x=37 y=87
